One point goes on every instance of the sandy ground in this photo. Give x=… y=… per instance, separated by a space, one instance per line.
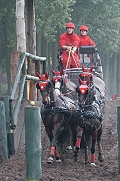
x=14 y=169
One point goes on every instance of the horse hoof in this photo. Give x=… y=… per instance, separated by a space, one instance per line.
x=93 y=164
x=75 y=159
x=87 y=162
x=62 y=155
x=69 y=147
x=101 y=158
x=69 y=150
x=58 y=160
x=50 y=160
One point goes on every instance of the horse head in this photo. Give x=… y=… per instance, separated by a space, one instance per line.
x=57 y=75
x=86 y=89
x=44 y=85
x=60 y=81
x=57 y=81
x=62 y=84
x=90 y=70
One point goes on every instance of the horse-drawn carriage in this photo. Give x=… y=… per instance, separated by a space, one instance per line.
x=88 y=56
x=75 y=97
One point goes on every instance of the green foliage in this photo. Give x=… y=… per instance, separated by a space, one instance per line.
x=52 y=15
x=7 y=22
x=7 y=28
x=103 y=20
x=101 y=16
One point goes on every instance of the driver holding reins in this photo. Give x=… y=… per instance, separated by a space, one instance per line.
x=69 y=43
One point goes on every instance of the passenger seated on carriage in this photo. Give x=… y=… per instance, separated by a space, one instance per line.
x=85 y=40
x=69 y=43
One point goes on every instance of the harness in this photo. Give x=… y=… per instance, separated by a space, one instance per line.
x=54 y=110
x=82 y=114
x=88 y=113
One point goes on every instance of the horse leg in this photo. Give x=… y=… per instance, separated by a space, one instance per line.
x=65 y=137
x=60 y=141
x=68 y=139
x=57 y=156
x=100 y=157
x=77 y=144
x=52 y=149
x=86 y=140
x=93 y=151
x=53 y=153
x=48 y=130
x=74 y=134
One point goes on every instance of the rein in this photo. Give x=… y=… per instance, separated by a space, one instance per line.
x=68 y=60
x=90 y=113
x=53 y=110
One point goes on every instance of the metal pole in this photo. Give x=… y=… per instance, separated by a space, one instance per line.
x=32 y=120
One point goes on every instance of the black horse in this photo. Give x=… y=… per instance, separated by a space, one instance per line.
x=57 y=112
x=88 y=119
x=63 y=86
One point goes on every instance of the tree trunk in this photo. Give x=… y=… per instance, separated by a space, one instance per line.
x=31 y=42
x=113 y=73
x=20 y=26
x=38 y=65
x=44 y=53
x=49 y=59
x=118 y=76
x=55 y=47
x=106 y=74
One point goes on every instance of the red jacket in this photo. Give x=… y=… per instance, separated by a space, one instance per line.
x=86 y=41
x=69 y=40
x=69 y=60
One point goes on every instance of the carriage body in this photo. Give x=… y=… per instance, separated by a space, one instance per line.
x=88 y=56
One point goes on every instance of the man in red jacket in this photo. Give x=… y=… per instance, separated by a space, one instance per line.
x=85 y=40
x=69 y=43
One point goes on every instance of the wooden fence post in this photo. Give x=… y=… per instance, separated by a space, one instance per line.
x=118 y=129
x=10 y=135
x=15 y=58
x=3 y=135
x=5 y=99
x=32 y=120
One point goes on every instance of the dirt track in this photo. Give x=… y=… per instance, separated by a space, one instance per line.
x=14 y=169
